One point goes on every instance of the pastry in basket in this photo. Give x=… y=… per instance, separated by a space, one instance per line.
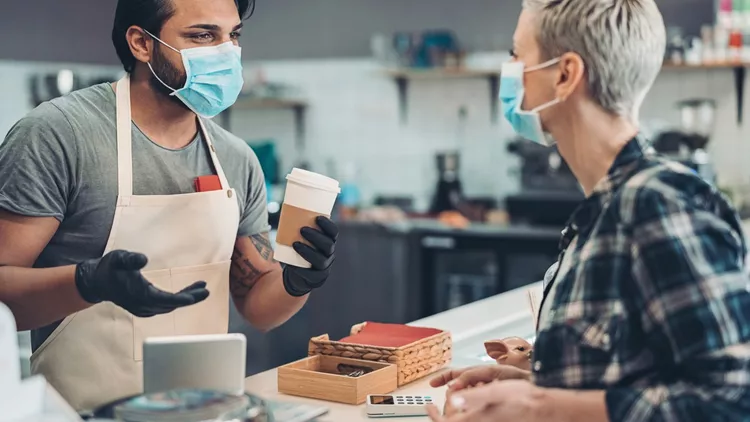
x=513 y=351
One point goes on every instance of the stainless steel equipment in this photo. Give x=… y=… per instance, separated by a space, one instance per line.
x=549 y=190
x=698 y=118
x=542 y=168
x=688 y=143
x=50 y=86
x=45 y=87
x=254 y=409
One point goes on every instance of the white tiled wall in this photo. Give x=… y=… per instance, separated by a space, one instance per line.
x=354 y=118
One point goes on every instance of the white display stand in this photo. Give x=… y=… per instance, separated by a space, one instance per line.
x=10 y=363
x=29 y=400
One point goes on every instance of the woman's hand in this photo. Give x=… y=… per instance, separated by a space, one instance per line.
x=459 y=379
x=512 y=400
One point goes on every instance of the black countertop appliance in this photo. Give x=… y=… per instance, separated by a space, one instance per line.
x=542 y=168
x=448 y=191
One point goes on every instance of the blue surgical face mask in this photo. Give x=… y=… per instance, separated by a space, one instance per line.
x=214 y=77
x=526 y=124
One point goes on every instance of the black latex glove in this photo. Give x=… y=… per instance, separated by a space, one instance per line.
x=301 y=281
x=116 y=277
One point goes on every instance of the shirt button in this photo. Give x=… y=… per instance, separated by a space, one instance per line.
x=537 y=366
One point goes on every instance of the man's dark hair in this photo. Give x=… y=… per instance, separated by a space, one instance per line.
x=151 y=15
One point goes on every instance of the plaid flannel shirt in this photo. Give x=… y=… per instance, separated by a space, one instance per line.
x=651 y=301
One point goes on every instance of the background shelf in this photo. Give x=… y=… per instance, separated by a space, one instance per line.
x=404 y=76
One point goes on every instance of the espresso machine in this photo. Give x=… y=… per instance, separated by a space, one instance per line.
x=549 y=191
x=542 y=168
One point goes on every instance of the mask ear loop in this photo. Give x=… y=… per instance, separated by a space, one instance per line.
x=538 y=67
x=174 y=91
x=545 y=106
x=157 y=39
x=548 y=63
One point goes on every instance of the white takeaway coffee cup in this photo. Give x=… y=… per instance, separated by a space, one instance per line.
x=308 y=195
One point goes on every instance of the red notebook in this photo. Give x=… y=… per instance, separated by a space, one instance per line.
x=207 y=183
x=389 y=335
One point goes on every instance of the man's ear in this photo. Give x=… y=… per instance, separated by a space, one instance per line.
x=141 y=45
x=497 y=349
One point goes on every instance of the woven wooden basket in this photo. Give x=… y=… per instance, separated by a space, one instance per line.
x=414 y=361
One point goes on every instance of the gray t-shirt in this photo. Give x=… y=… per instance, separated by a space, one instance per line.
x=61 y=161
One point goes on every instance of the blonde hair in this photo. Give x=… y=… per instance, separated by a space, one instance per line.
x=621 y=42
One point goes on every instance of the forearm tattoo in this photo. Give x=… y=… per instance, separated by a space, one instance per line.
x=244 y=273
x=263 y=244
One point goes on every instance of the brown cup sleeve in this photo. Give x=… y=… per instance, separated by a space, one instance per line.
x=292 y=220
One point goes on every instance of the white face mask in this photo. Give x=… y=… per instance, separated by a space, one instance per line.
x=526 y=124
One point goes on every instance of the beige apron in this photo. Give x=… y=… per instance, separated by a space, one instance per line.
x=94 y=356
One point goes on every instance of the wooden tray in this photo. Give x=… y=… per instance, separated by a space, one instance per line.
x=414 y=361
x=316 y=377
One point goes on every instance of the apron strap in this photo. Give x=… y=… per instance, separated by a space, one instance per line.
x=125 y=143
x=214 y=158
x=124 y=139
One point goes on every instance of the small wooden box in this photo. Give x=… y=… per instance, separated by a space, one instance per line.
x=316 y=377
x=414 y=361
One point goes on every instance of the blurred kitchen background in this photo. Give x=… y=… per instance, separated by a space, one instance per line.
x=441 y=204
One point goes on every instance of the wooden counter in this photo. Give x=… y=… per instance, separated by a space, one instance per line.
x=499 y=316
x=264 y=385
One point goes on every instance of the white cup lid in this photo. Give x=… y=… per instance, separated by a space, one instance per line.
x=314 y=180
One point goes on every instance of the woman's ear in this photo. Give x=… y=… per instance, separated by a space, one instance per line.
x=497 y=350
x=572 y=73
